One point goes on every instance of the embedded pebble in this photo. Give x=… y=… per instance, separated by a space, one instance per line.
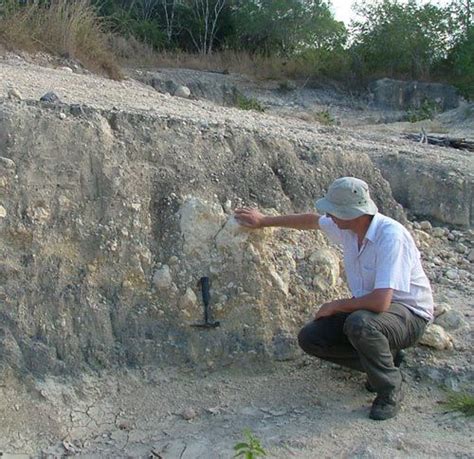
x=50 y=97
x=441 y=308
x=426 y=225
x=13 y=93
x=451 y=274
x=162 y=278
x=438 y=232
x=188 y=414
x=66 y=69
x=7 y=163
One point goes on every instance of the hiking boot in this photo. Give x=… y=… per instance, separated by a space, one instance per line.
x=386 y=406
x=397 y=361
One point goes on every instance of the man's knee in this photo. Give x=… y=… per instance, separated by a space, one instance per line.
x=307 y=339
x=357 y=324
x=304 y=337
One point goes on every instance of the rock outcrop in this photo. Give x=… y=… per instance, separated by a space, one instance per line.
x=108 y=220
x=407 y=95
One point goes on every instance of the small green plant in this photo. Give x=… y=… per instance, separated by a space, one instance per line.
x=426 y=111
x=251 y=448
x=461 y=402
x=247 y=103
x=324 y=117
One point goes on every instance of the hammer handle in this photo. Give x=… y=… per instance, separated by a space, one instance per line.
x=205 y=284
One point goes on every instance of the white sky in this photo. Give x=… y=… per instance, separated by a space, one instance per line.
x=342 y=8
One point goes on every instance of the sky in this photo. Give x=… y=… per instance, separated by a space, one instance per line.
x=342 y=8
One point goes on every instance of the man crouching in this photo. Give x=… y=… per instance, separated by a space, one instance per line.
x=392 y=301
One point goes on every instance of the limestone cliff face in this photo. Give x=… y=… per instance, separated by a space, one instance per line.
x=108 y=220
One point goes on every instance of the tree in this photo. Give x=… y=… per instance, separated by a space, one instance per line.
x=462 y=16
x=137 y=18
x=203 y=22
x=404 y=40
x=285 y=27
x=459 y=65
x=169 y=10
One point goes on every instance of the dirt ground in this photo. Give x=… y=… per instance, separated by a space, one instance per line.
x=301 y=408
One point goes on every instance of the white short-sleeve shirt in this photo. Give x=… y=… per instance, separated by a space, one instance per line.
x=388 y=258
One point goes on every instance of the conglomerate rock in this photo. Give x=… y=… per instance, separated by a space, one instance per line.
x=109 y=220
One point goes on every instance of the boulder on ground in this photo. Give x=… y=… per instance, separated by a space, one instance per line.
x=436 y=337
x=182 y=91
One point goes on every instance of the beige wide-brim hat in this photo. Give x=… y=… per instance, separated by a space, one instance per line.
x=347 y=198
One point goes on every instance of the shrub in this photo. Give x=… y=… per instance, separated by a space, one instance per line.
x=427 y=111
x=248 y=103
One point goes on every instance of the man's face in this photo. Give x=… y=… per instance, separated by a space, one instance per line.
x=341 y=224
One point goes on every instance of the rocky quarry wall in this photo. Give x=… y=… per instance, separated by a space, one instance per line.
x=406 y=95
x=109 y=219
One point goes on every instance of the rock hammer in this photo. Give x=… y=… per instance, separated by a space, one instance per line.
x=204 y=283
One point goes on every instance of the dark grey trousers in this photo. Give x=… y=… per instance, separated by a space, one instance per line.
x=365 y=341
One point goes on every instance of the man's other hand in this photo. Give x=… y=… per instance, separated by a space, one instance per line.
x=328 y=309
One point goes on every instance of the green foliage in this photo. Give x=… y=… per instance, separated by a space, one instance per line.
x=285 y=27
x=415 y=41
x=148 y=32
x=461 y=64
x=248 y=103
x=426 y=111
x=251 y=448
x=462 y=402
x=131 y=22
x=400 y=40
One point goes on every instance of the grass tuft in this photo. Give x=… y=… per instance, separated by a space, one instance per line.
x=462 y=402
x=324 y=117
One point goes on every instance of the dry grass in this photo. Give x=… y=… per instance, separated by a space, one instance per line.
x=69 y=29
x=131 y=52
x=136 y=54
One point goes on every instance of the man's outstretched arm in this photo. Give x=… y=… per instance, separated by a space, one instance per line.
x=253 y=218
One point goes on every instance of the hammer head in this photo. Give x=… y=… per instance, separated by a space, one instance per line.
x=206 y=325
